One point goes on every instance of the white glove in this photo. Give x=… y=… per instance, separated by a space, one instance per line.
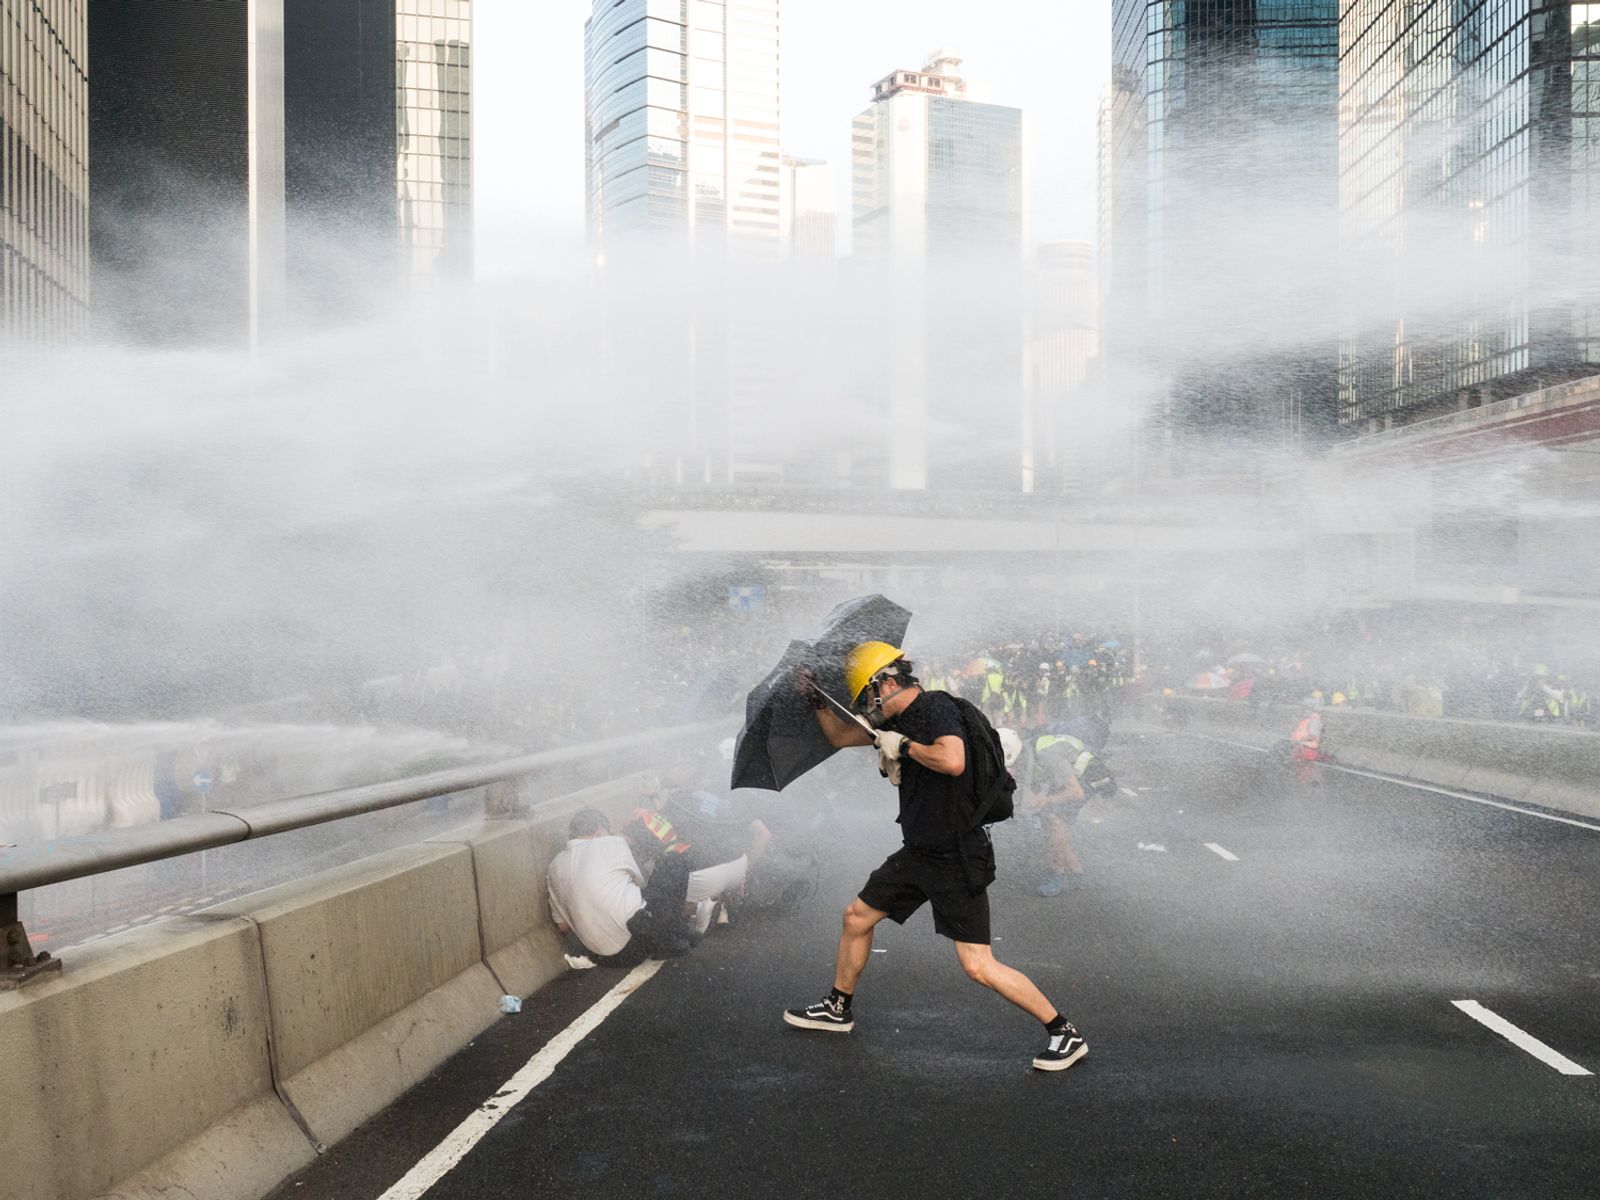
x=889 y=768
x=891 y=745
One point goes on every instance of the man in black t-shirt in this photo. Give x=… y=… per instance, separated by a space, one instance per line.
x=922 y=747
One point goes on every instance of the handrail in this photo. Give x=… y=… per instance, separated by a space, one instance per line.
x=26 y=867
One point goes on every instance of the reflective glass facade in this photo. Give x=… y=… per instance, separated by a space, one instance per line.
x=433 y=132
x=378 y=133
x=44 y=169
x=935 y=174
x=185 y=140
x=682 y=118
x=1220 y=133
x=1470 y=202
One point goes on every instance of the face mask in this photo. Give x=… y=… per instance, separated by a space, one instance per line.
x=874 y=714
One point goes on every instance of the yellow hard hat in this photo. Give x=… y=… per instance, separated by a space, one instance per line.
x=865 y=661
x=1338 y=697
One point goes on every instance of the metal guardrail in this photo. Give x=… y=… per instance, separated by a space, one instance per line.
x=23 y=868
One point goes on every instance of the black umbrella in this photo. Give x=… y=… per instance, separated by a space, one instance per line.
x=781 y=739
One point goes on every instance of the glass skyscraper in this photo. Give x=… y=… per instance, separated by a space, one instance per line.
x=685 y=198
x=939 y=189
x=378 y=133
x=44 y=169
x=1220 y=132
x=1470 y=202
x=682 y=119
x=935 y=172
x=186 y=163
x=433 y=132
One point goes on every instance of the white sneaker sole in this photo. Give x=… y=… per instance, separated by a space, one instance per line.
x=1059 y=1064
x=824 y=1026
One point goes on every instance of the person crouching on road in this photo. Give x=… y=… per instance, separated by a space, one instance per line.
x=1053 y=789
x=922 y=747
x=699 y=836
x=599 y=895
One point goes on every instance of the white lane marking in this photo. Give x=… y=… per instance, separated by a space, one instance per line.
x=1129 y=792
x=442 y=1158
x=1421 y=787
x=1484 y=800
x=1226 y=742
x=1523 y=1041
x=1220 y=852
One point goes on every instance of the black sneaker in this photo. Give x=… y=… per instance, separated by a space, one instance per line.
x=825 y=1014
x=1065 y=1048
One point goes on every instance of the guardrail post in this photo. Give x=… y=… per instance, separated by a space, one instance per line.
x=500 y=800
x=18 y=962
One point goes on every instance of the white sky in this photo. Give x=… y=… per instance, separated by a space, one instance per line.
x=1048 y=58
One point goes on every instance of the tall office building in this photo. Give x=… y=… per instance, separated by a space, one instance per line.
x=682 y=120
x=1121 y=219
x=378 y=140
x=44 y=169
x=809 y=204
x=685 y=199
x=1061 y=427
x=935 y=172
x=940 y=213
x=234 y=140
x=1221 y=136
x=186 y=156
x=1469 y=195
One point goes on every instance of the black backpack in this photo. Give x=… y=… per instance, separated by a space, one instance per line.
x=993 y=788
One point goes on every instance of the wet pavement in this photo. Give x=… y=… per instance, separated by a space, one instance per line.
x=1268 y=1000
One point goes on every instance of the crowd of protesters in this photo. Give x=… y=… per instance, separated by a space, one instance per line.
x=1033 y=682
x=1434 y=669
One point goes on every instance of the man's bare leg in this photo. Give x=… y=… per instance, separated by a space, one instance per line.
x=855 y=944
x=981 y=966
x=1062 y=857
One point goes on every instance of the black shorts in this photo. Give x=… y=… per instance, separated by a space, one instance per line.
x=910 y=878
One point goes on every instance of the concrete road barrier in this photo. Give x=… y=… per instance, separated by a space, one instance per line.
x=520 y=944
x=374 y=977
x=1569 y=773
x=143 y=1070
x=210 y=1055
x=1371 y=741
x=1550 y=766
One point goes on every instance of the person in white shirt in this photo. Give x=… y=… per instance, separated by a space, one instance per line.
x=598 y=894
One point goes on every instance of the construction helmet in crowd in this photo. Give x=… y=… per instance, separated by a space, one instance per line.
x=1011 y=745
x=865 y=661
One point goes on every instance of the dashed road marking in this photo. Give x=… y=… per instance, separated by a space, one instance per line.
x=1221 y=853
x=1523 y=1041
x=442 y=1158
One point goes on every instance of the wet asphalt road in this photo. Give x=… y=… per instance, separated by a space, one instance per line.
x=1280 y=1025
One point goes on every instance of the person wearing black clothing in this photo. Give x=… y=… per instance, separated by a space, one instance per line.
x=922 y=748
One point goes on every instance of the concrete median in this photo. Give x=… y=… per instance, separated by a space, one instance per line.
x=1370 y=741
x=1552 y=767
x=374 y=977
x=520 y=944
x=143 y=1071
x=211 y=1055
